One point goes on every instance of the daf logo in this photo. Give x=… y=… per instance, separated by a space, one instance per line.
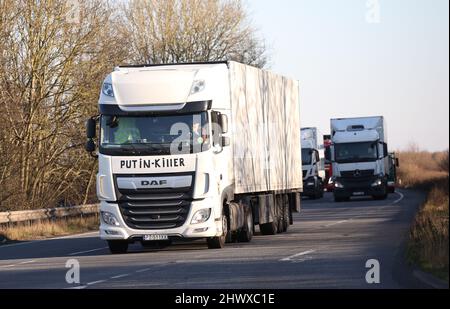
x=153 y=182
x=357 y=173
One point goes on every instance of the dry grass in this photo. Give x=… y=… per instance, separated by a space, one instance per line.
x=420 y=169
x=428 y=245
x=46 y=228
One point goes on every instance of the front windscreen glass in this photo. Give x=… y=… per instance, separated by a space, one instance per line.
x=306 y=156
x=356 y=152
x=153 y=135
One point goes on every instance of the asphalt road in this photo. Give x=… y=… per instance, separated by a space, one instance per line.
x=327 y=247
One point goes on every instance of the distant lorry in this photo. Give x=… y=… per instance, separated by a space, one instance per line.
x=312 y=163
x=392 y=177
x=360 y=157
x=328 y=183
x=197 y=150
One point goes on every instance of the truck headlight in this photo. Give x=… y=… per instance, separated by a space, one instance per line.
x=107 y=89
x=109 y=218
x=376 y=183
x=337 y=184
x=201 y=216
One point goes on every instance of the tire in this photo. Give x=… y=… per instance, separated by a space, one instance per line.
x=269 y=228
x=383 y=196
x=321 y=190
x=218 y=242
x=286 y=218
x=341 y=199
x=246 y=233
x=118 y=246
x=338 y=199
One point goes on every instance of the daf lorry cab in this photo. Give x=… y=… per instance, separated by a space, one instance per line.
x=312 y=163
x=360 y=157
x=195 y=151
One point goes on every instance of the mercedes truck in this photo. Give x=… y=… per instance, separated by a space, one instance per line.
x=313 y=161
x=195 y=151
x=360 y=157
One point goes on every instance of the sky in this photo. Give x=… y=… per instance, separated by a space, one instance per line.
x=364 y=58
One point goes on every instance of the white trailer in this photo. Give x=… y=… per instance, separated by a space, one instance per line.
x=360 y=157
x=313 y=163
x=200 y=150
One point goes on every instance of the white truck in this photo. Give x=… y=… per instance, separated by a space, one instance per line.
x=198 y=150
x=313 y=163
x=359 y=157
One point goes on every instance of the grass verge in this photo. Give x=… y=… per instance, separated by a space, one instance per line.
x=428 y=244
x=48 y=228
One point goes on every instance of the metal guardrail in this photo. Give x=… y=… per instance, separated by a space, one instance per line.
x=47 y=213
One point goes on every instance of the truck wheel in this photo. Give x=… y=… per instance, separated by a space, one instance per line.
x=246 y=233
x=286 y=219
x=321 y=190
x=338 y=199
x=218 y=242
x=118 y=246
x=269 y=228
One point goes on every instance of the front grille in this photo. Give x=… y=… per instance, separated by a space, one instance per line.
x=304 y=173
x=359 y=175
x=155 y=208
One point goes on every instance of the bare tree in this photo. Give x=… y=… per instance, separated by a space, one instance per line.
x=52 y=66
x=191 y=30
x=54 y=55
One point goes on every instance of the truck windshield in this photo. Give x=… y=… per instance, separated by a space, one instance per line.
x=154 y=135
x=356 y=152
x=306 y=156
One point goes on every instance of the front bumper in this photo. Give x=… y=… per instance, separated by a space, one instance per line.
x=208 y=228
x=309 y=187
x=358 y=188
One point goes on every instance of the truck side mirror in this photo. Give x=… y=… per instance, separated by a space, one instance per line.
x=225 y=141
x=223 y=122
x=91 y=127
x=90 y=145
x=385 y=150
x=397 y=162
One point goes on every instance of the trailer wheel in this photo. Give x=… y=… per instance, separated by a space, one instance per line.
x=218 y=242
x=269 y=228
x=118 y=246
x=246 y=233
x=286 y=218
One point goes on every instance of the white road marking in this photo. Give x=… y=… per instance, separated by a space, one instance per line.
x=21 y=263
x=27 y=262
x=399 y=199
x=87 y=251
x=79 y=287
x=143 y=270
x=337 y=222
x=290 y=258
x=95 y=282
x=119 y=276
x=10 y=265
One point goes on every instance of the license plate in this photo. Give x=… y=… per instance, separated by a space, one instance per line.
x=155 y=237
x=358 y=193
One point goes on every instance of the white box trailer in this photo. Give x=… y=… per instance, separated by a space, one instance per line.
x=265 y=119
x=199 y=150
x=360 y=157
